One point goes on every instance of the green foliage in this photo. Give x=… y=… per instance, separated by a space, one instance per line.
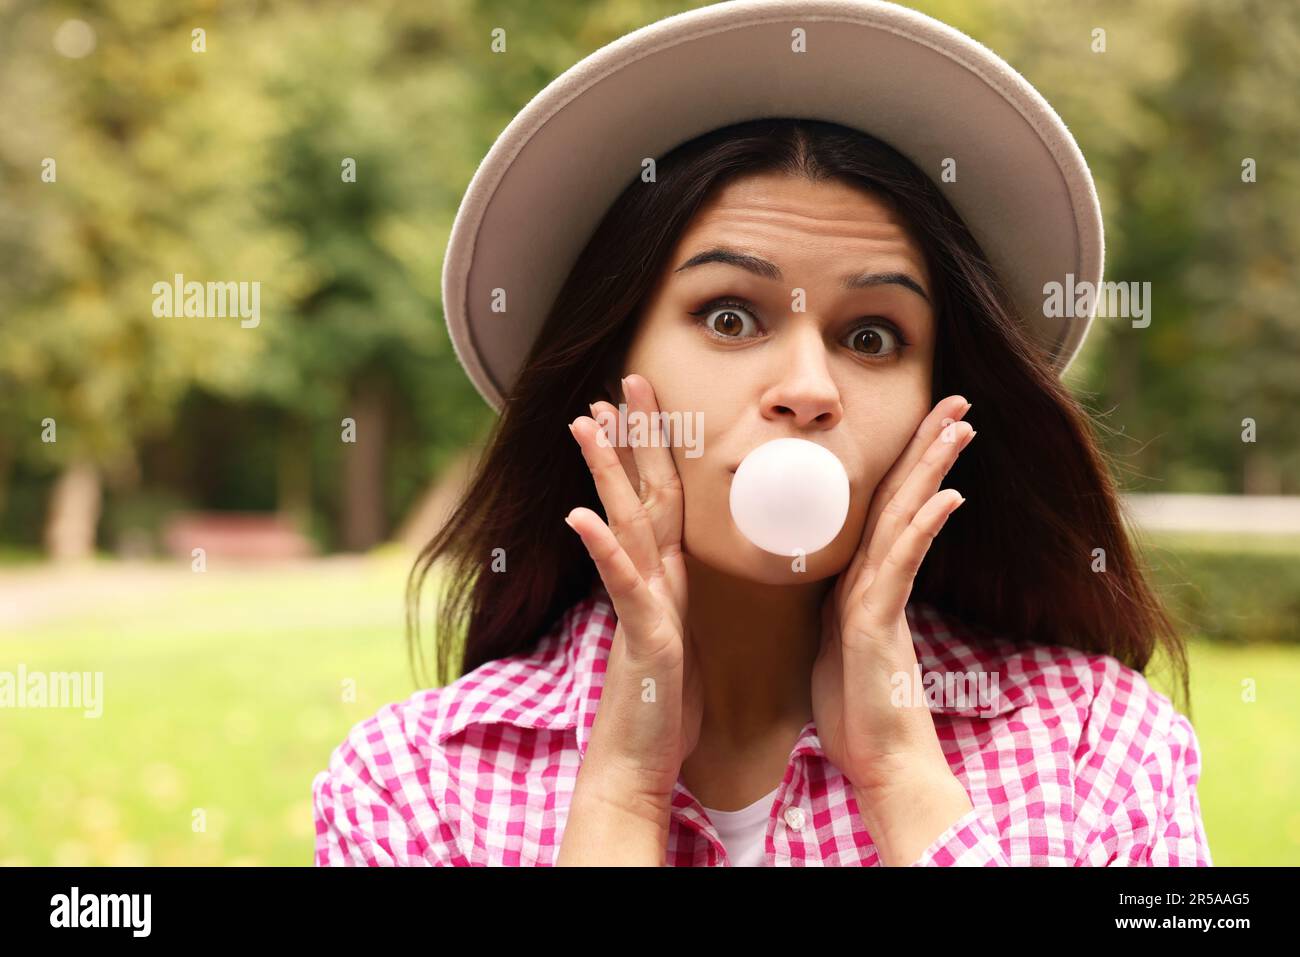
x=1232 y=589
x=226 y=165
x=1184 y=92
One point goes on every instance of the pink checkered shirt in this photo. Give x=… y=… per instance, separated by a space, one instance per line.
x=1075 y=761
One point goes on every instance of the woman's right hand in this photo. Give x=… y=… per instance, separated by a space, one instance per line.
x=648 y=718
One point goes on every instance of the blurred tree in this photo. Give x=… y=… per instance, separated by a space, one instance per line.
x=1184 y=92
x=142 y=180
x=140 y=158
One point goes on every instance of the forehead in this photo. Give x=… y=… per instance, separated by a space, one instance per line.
x=808 y=229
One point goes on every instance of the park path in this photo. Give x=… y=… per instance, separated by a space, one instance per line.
x=31 y=594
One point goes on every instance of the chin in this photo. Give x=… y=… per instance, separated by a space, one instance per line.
x=741 y=558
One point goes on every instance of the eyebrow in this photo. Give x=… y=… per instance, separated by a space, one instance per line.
x=768 y=270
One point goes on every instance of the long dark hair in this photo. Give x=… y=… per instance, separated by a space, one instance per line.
x=1018 y=560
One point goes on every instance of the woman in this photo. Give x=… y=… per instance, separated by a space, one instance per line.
x=655 y=689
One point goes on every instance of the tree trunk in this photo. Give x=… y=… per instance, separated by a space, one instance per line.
x=6 y=469
x=440 y=497
x=73 y=514
x=1260 y=475
x=364 y=512
x=293 y=472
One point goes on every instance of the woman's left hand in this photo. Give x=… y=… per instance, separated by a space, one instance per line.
x=890 y=753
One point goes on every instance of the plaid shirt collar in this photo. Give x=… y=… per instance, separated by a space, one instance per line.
x=557 y=685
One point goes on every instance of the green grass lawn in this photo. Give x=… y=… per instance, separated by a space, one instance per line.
x=223 y=692
x=1250 y=750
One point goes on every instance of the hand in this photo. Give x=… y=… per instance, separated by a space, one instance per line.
x=865 y=638
x=650 y=710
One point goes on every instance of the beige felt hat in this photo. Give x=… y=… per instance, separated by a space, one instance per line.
x=928 y=90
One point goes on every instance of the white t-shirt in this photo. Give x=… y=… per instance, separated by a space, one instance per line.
x=744 y=832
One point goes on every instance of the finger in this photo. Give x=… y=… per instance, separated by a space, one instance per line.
x=634 y=603
x=946 y=411
x=654 y=463
x=884 y=601
x=917 y=489
x=661 y=485
x=628 y=518
x=607 y=417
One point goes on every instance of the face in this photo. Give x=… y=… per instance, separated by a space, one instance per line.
x=822 y=330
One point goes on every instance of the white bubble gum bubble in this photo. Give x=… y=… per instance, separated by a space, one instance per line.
x=790 y=496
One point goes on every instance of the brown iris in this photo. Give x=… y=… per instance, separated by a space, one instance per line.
x=728 y=324
x=871 y=338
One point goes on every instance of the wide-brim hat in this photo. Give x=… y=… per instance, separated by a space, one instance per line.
x=1022 y=185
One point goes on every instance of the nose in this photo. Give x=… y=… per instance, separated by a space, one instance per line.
x=804 y=391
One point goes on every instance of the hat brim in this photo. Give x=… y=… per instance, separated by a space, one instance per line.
x=1022 y=185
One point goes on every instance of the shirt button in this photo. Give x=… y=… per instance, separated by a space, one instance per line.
x=794 y=818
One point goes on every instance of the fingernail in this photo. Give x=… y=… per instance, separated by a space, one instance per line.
x=568 y=522
x=623 y=385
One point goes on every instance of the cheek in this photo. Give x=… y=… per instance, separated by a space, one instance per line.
x=893 y=440
x=703 y=505
x=675 y=365
x=889 y=426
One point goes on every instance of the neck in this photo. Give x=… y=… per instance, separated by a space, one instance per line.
x=755 y=644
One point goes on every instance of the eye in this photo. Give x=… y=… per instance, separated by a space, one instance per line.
x=727 y=318
x=877 y=340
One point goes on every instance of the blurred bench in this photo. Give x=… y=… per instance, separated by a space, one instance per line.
x=261 y=536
